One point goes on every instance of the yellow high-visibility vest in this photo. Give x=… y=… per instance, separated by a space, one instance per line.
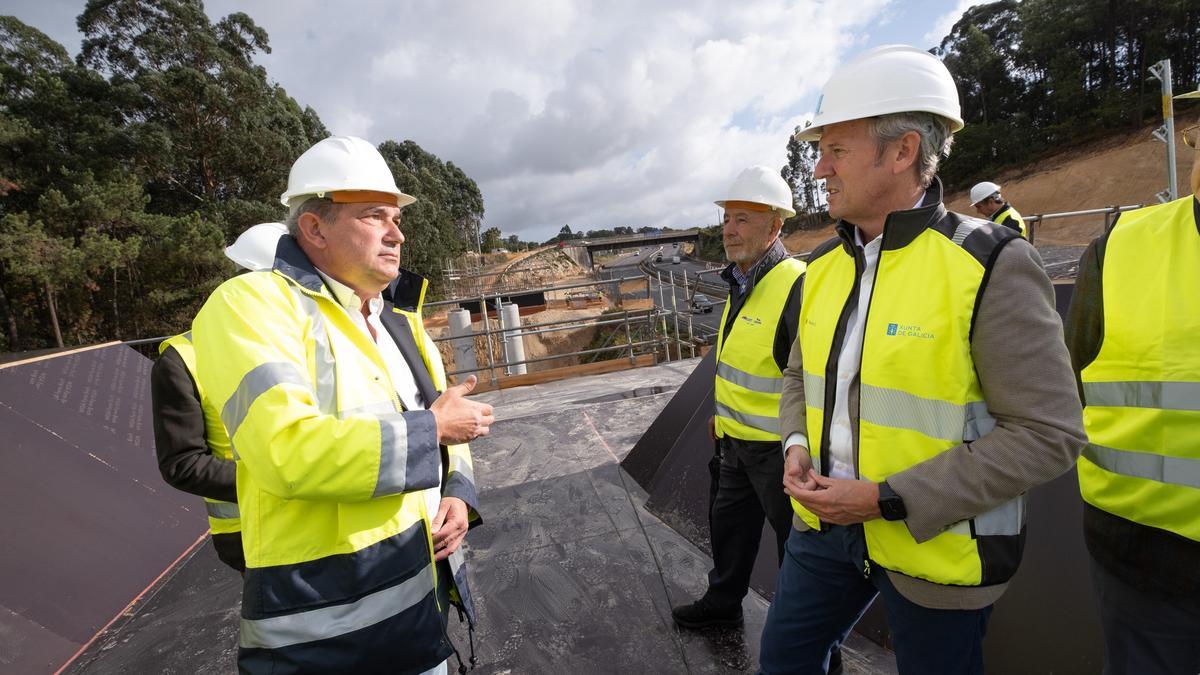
x=223 y=517
x=919 y=394
x=1010 y=211
x=1142 y=391
x=749 y=381
x=331 y=471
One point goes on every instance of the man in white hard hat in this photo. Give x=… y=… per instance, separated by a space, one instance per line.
x=1132 y=331
x=354 y=480
x=929 y=390
x=190 y=443
x=990 y=204
x=756 y=333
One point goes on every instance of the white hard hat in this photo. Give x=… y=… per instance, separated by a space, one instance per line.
x=982 y=191
x=254 y=249
x=342 y=164
x=890 y=79
x=761 y=185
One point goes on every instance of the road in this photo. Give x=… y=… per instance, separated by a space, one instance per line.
x=704 y=324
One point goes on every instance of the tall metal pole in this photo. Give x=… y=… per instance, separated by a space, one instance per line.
x=691 y=296
x=675 y=311
x=1166 y=133
x=663 y=304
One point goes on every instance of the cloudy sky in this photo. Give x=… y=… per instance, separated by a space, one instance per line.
x=580 y=112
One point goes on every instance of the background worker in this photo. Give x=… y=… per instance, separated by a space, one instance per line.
x=928 y=391
x=1134 y=335
x=758 y=327
x=355 y=487
x=990 y=204
x=191 y=445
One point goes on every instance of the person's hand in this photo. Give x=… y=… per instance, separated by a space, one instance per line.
x=458 y=419
x=797 y=465
x=841 y=501
x=449 y=527
x=712 y=428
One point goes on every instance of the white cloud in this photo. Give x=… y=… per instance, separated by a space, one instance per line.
x=942 y=25
x=584 y=112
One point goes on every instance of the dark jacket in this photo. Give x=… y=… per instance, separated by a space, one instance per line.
x=1149 y=559
x=184 y=458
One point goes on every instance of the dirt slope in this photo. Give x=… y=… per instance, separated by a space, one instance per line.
x=1124 y=169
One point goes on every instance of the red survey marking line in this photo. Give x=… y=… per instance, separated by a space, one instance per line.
x=602 y=441
x=132 y=602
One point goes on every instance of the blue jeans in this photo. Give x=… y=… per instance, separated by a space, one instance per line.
x=824 y=586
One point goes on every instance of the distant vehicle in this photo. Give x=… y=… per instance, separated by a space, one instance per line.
x=674 y=260
x=675 y=244
x=701 y=304
x=637 y=252
x=658 y=257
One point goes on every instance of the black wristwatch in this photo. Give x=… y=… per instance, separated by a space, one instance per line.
x=891 y=506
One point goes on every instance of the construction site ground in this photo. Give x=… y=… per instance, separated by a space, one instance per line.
x=570 y=571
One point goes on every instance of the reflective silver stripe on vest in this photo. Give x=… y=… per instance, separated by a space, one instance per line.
x=979 y=421
x=814 y=391
x=1161 y=468
x=765 y=385
x=767 y=424
x=329 y=622
x=393 y=454
x=370 y=409
x=1004 y=520
x=1160 y=395
x=964 y=229
x=935 y=419
x=222 y=510
x=255 y=383
x=326 y=372
x=460 y=466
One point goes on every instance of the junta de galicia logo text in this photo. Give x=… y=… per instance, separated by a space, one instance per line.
x=908 y=330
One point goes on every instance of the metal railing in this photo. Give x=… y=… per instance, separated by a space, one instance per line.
x=658 y=336
x=1110 y=214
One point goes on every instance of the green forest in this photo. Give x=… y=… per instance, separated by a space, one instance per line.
x=124 y=171
x=1039 y=76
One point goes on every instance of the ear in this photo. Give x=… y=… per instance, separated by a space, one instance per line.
x=312 y=230
x=904 y=152
x=776 y=224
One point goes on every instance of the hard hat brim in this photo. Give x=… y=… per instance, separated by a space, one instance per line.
x=813 y=133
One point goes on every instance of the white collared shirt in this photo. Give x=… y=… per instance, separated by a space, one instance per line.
x=397 y=368
x=841 y=433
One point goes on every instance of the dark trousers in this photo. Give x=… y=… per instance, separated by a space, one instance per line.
x=820 y=594
x=749 y=488
x=1144 y=633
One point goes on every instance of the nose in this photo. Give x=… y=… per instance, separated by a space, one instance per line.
x=393 y=236
x=823 y=168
